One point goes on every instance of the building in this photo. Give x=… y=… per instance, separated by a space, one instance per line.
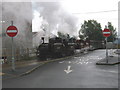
x=21 y=15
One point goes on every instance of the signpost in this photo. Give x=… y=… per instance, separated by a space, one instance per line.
x=106 y=33
x=12 y=32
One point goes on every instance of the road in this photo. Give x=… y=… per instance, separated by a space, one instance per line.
x=76 y=72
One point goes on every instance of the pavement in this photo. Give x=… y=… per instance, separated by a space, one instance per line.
x=117 y=51
x=113 y=59
x=21 y=68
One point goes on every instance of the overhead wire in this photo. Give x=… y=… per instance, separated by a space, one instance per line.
x=97 y=12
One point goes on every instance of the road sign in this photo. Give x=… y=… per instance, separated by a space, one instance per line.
x=106 y=32
x=11 y=31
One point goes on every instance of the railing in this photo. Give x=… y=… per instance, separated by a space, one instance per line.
x=20 y=54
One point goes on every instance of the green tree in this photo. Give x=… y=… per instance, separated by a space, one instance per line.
x=91 y=29
x=81 y=36
x=113 y=35
x=63 y=36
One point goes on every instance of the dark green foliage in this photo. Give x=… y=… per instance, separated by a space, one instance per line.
x=113 y=35
x=91 y=29
x=63 y=36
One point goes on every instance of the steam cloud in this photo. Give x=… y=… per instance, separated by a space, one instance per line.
x=21 y=15
x=48 y=19
x=53 y=19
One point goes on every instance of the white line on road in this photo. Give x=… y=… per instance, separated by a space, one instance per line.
x=108 y=71
x=69 y=62
x=68 y=70
x=61 y=62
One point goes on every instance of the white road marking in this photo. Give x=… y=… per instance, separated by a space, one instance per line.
x=68 y=70
x=109 y=71
x=61 y=62
x=69 y=62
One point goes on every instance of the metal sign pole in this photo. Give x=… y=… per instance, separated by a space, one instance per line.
x=118 y=48
x=106 y=52
x=13 y=61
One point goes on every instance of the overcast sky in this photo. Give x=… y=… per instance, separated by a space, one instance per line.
x=100 y=10
x=103 y=11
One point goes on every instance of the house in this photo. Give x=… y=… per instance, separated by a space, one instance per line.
x=21 y=15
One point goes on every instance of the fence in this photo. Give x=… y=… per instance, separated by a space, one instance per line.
x=19 y=54
x=97 y=44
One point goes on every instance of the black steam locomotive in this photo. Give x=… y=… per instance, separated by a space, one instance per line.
x=57 y=47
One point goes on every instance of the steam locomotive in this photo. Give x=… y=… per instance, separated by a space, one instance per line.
x=57 y=47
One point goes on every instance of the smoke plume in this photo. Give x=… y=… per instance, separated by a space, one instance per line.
x=21 y=15
x=55 y=18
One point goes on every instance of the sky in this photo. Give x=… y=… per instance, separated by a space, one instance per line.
x=103 y=11
x=100 y=10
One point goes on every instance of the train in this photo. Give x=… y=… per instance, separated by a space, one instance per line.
x=58 y=47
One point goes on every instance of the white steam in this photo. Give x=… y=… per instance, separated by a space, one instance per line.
x=51 y=17
x=21 y=15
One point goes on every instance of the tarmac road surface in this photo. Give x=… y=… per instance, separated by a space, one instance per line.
x=77 y=72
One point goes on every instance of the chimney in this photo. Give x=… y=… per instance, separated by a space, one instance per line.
x=42 y=39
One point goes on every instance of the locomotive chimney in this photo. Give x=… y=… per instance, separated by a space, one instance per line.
x=42 y=39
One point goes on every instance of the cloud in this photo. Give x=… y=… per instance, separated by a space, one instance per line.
x=56 y=17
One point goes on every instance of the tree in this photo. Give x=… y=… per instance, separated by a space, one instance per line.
x=91 y=29
x=63 y=36
x=113 y=35
x=81 y=36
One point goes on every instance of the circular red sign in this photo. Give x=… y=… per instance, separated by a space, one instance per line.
x=11 y=31
x=106 y=32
